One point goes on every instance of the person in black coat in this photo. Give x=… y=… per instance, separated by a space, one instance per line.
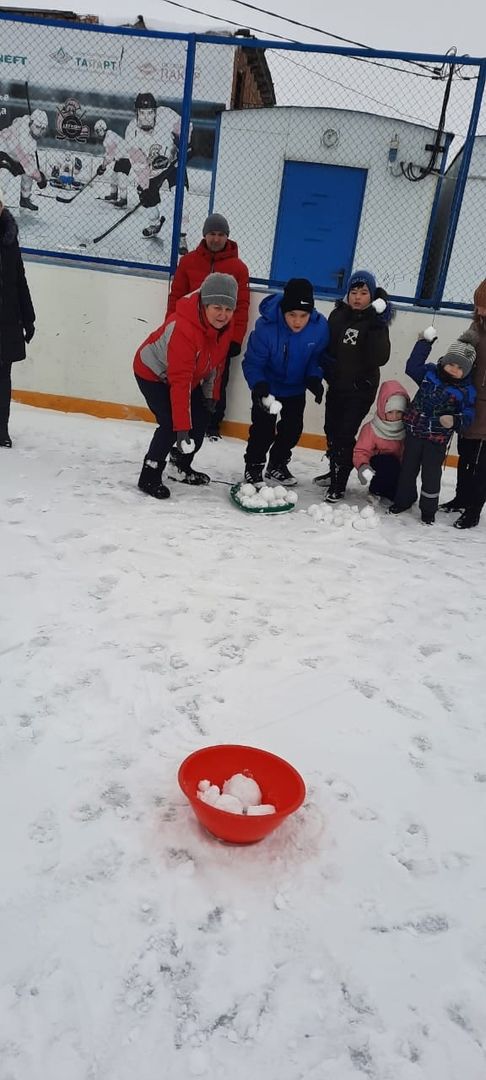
x=17 y=315
x=359 y=345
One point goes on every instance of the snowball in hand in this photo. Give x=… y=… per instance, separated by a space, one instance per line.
x=243 y=788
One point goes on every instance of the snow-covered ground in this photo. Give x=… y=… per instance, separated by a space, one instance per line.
x=351 y=942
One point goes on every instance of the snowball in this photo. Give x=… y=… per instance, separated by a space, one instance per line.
x=338 y=520
x=430 y=334
x=204 y=785
x=244 y=788
x=263 y=808
x=292 y=497
x=359 y=523
x=188 y=446
x=314 y=510
x=280 y=491
x=372 y=522
x=367 y=512
x=368 y=475
x=355 y=509
x=275 y=408
x=379 y=305
x=247 y=489
x=230 y=803
x=344 y=508
x=210 y=796
x=268 y=401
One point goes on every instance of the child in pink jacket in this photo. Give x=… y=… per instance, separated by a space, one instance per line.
x=379 y=448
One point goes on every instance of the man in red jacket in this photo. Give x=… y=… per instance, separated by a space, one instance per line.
x=178 y=369
x=216 y=252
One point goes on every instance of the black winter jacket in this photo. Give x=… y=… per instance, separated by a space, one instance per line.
x=359 y=345
x=16 y=309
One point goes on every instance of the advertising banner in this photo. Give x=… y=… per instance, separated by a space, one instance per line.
x=89 y=139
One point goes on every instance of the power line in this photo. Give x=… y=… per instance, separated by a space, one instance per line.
x=257 y=30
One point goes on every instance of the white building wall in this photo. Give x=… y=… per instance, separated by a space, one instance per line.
x=467 y=266
x=90 y=323
x=253 y=147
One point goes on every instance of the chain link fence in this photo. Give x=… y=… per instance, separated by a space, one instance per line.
x=115 y=144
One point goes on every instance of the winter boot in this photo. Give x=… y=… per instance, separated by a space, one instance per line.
x=183 y=473
x=214 y=434
x=323 y=480
x=5 y=439
x=254 y=473
x=427 y=519
x=150 y=480
x=153 y=230
x=339 y=479
x=468 y=520
x=452 y=507
x=281 y=474
x=26 y=203
x=395 y=509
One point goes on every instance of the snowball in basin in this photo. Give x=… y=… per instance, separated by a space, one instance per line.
x=243 y=788
x=263 y=808
x=247 y=489
x=230 y=803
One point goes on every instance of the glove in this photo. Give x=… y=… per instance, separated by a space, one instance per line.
x=185 y=444
x=379 y=305
x=446 y=421
x=365 y=474
x=260 y=391
x=430 y=334
x=234 y=349
x=101 y=169
x=315 y=386
x=29 y=333
x=143 y=196
x=42 y=182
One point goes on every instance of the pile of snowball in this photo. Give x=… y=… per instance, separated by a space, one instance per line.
x=341 y=514
x=265 y=497
x=239 y=795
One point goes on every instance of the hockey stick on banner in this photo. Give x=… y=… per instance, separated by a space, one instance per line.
x=120 y=221
x=60 y=199
x=27 y=96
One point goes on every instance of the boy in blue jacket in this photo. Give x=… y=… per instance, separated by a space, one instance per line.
x=285 y=356
x=444 y=403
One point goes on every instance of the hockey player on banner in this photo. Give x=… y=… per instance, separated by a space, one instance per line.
x=114 y=151
x=151 y=144
x=18 y=153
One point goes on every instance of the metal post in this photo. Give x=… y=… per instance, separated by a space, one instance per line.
x=183 y=144
x=460 y=185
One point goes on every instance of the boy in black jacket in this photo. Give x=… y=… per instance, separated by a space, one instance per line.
x=359 y=346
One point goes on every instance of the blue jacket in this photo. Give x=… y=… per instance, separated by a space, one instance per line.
x=436 y=397
x=279 y=356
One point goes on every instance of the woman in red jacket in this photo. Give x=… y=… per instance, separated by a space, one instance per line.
x=179 y=369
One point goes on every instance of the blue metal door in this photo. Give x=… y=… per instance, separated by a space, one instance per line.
x=317 y=226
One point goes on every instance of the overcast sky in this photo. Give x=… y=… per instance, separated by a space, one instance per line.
x=413 y=25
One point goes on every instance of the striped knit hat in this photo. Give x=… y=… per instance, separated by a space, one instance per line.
x=461 y=353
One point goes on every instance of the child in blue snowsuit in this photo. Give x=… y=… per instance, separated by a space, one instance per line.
x=285 y=356
x=444 y=403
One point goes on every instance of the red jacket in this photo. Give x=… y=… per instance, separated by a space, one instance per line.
x=197 y=264
x=185 y=352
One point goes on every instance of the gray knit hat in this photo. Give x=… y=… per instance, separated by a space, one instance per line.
x=216 y=223
x=219 y=289
x=461 y=353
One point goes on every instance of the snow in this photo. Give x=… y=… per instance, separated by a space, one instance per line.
x=349 y=943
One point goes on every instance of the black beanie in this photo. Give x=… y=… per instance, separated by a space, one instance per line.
x=298 y=295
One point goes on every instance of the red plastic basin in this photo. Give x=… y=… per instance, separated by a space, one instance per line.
x=280 y=785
